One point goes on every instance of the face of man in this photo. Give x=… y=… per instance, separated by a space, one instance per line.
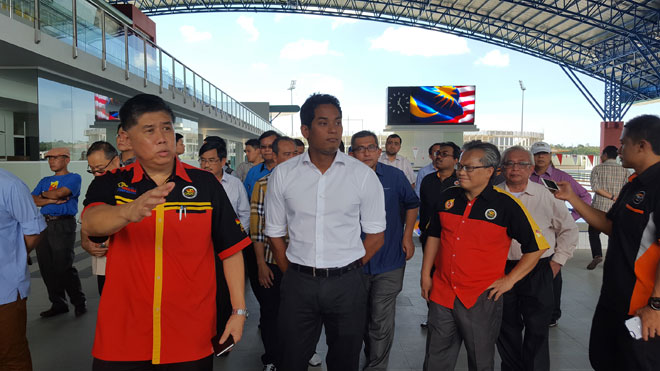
x=58 y=163
x=366 y=150
x=300 y=150
x=152 y=139
x=180 y=147
x=517 y=168
x=267 y=148
x=479 y=176
x=444 y=158
x=251 y=153
x=210 y=162
x=324 y=134
x=99 y=165
x=392 y=146
x=122 y=141
x=286 y=150
x=542 y=161
x=629 y=150
x=432 y=156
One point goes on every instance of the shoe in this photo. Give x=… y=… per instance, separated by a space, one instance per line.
x=80 y=310
x=597 y=260
x=553 y=323
x=424 y=324
x=315 y=361
x=52 y=312
x=270 y=367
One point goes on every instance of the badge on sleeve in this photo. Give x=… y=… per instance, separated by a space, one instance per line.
x=491 y=214
x=449 y=204
x=189 y=192
x=639 y=197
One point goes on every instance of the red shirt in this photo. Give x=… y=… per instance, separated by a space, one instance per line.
x=159 y=297
x=474 y=242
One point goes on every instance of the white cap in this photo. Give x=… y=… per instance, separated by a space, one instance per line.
x=539 y=147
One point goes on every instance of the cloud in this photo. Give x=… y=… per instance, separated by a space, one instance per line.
x=303 y=49
x=259 y=66
x=247 y=24
x=416 y=41
x=494 y=58
x=191 y=35
x=342 y=21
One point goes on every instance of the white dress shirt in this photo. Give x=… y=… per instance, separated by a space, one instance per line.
x=324 y=213
x=554 y=219
x=238 y=198
x=400 y=163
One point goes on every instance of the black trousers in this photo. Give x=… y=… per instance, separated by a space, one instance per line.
x=528 y=307
x=55 y=257
x=611 y=348
x=204 y=364
x=269 y=305
x=594 y=242
x=307 y=303
x=557 y=284
x=100 y=282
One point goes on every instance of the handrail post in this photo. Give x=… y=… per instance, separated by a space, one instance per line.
x=160 y=65
x=185 y=84
x=173 y=78
x=11 y=9
x=194 y=89
x=37 y=23
x=104 y=50
x=126 y=64
x=144 y=52
x=74 y=14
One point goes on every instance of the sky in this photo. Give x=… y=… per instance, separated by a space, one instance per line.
x=253 y=58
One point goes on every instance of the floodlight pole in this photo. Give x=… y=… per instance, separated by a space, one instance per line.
x=291 y=87
x=522 y=106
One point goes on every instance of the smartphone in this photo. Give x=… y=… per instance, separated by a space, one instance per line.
x=550 y=185
x=220 y=349
x=634 y=326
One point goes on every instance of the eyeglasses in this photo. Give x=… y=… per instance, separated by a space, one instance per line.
x=513 y=165
x=443 y=154
x=370 y=148
x=209 y=160
x=102 y=170
x=468 y=168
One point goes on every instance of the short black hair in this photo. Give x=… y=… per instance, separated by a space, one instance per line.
x=267 y=134
x=109 y=151
x=431 y=148
x=214 y=138
x=645 y=127
x=307 y=111
x=299 y=143
x=454 y=147
x=219 y=146
x=363 y=134
x=491 y=156
x=610 y=152
x=342 y=147
x=277 y=142
x=393 y=136
x=178 y=136
x=130 y=112
x=254 y=143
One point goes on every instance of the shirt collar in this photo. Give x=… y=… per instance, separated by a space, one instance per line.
x=179 y=171
x=379 y=168
x=527 y=189
x=548 y=171
x=340 y=157
x=649 y=175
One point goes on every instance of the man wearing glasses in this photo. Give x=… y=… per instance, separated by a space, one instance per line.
x=57 y=195
x=258 y=171
x=529 y=304
x=469 y=237
x=101 y=158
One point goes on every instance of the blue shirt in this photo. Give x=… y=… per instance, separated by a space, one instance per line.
x=18 y=217
x=72 y=182
x=398 y=194
x=257 y=172
x=426 y=170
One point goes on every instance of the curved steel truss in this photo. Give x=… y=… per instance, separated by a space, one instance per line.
x=615 y=41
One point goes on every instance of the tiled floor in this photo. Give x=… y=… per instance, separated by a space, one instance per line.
x=65 y=342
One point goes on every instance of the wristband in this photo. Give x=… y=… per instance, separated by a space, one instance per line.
x=654 y=303
x=241 y=312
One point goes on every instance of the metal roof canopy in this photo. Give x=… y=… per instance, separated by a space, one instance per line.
x=614 y=41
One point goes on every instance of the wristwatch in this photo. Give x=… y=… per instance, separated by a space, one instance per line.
x=241 y=312
x=654 y=303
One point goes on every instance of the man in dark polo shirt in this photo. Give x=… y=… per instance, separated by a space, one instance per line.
x=469 y=237
x=165 y=221
x=631 y=275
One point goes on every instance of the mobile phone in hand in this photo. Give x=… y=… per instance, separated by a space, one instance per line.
x=634 y=326
x=550 y=185
x=220 y=349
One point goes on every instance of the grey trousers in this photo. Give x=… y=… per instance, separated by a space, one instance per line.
x=382 y=289
x=478 y=327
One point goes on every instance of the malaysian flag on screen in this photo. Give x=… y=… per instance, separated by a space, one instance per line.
x=449 y=104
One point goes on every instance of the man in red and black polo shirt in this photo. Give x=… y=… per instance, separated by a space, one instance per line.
x=468 y=242
x=165 y=221
x=631 y=275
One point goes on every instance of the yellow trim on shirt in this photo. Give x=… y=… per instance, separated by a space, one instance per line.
x=124 y=199
x=158 y=284
x=541 y=242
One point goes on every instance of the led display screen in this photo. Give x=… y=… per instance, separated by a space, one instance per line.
x=431 y=105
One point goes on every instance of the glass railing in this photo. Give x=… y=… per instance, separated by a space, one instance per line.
x=99 y=33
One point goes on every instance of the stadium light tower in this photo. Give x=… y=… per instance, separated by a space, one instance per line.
x=291 y=87
x=522 y=106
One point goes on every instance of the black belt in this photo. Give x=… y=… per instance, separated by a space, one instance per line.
x=326 y=272
x=50 y=218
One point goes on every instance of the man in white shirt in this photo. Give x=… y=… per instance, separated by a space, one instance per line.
x=324 y=199
x=392 y=158
x=529 y=304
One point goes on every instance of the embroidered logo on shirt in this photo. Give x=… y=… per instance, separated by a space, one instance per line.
x=491 y=214
x=123 y=187
x=189 y=192
x=639 y=197
x=449 y=204
x=53 y=185
x=456 y=182
x=238 y=222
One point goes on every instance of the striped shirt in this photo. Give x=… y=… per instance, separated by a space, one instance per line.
x=608 y=176
x=258 y=217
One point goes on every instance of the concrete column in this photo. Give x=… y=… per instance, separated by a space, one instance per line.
x=610 y=133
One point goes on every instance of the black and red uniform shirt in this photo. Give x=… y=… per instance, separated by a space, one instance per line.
x=159 y=298
x=475 y=237
x=633 y=250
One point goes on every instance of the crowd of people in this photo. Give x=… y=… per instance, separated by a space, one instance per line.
x=323 y=238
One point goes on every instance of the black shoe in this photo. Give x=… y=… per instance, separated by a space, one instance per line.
x=80 y=310
x=424 y=324
x=52 y=312
x=553 y=323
